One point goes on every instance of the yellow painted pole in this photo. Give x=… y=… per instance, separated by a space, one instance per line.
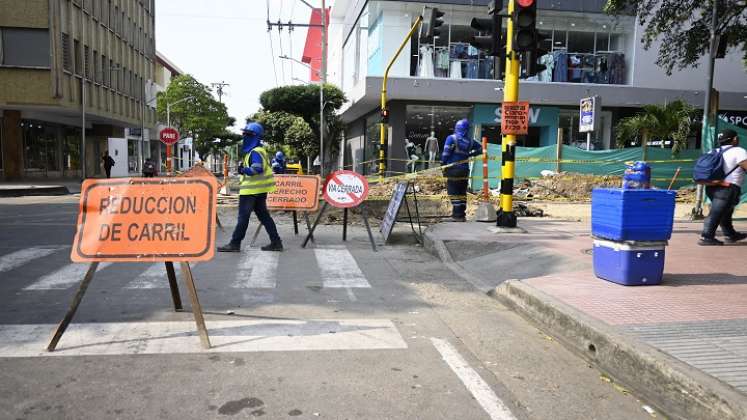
x=384 y=110
x=508 y=146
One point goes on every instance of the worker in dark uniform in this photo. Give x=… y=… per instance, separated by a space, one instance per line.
x=458 y=149
x=279 y=164
x=256 y=181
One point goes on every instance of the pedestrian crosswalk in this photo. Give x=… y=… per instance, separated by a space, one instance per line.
x=257 y=270
x=66 y=277
x=339 y=268
x=24 y=256
x=252 y=269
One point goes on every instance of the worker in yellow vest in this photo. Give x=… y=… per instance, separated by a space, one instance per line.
x=256 y=181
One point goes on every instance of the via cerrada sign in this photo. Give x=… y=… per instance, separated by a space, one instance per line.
x=146 y=219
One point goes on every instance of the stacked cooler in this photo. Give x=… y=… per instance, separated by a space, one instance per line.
x=631 y=228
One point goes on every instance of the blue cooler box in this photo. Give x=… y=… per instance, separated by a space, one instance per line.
x=629 y=264
x=632 y=215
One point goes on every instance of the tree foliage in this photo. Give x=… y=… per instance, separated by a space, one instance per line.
x=201 y=116
x=684 y=27
x=661 y=122
x=290 y=115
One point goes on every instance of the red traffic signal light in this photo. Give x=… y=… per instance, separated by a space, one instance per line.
x=525 y=3
x=524 y=26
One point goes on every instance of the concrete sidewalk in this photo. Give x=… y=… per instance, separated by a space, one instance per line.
x=30 y=187
x=681 y=345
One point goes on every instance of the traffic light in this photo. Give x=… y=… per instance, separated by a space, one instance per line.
x=434 y=17
x=532 y=57
x=488 y=34
x=525 y=25
x=385 y=116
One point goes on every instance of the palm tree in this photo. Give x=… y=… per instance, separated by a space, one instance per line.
x=670 y=121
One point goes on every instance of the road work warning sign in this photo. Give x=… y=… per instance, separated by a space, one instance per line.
x=295 y=192
x=146 y=219
x=344 y=189
x=515 y=118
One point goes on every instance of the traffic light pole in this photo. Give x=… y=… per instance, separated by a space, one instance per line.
x=384 y=110
x=506 y=215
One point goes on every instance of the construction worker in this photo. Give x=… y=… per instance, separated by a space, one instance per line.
x=279 y=164
x=256 y=180
x=458 y=149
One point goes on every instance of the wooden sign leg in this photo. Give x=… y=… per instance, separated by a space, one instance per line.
x=409 y=216
x=175 y=297
x=308 y=224
x=220 y=225
x=295 y=222
x=316 y=222
x=256 y=235
x=196 y=307
x=345 y=224
x=364 y=213
x=57 y=335
x=417 y=212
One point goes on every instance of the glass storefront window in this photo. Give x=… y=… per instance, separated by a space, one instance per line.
x=71 y=150
x=371 y=149
x=430 y=121
x=41 y=148
x=133 y=155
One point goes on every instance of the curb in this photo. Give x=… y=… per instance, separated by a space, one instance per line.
x=34 y=191
x=676 y=388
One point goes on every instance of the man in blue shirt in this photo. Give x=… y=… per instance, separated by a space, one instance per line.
x=458 y=149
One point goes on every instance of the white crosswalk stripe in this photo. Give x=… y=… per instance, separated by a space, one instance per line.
x=152 y=278
x=64 y=278
x=339 y=268
x=16 y=259
x=257 y=270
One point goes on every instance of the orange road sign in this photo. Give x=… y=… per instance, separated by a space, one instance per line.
x=295 y=192
x=515 y=118
x=146 y=220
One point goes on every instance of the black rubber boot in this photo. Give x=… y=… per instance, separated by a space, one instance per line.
x=275 y=246
x=229 y=247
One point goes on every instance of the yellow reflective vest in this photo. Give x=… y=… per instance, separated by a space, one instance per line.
x=260 y=183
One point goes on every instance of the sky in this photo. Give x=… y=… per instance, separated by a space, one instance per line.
x=227 y=41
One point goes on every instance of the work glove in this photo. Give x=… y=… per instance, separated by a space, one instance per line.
x=240 y=170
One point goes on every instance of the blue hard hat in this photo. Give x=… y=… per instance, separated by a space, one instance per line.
x=279 y=155
x=255 y=128
x=462 y=127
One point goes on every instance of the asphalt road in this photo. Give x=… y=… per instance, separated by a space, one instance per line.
x=332 y=331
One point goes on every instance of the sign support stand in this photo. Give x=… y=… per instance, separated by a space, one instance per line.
x=364 y=213
x=73 y=307
x=171 y=274
x=188 y=279
x=345 y=224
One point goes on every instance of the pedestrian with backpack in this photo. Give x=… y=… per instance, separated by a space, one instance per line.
x=722 y=171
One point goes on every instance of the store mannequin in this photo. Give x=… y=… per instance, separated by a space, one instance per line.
x=410 y=151
x=432 y=148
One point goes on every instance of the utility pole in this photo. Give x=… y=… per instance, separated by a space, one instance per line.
x=323 y=81
x=697 y=212
x=219 y=86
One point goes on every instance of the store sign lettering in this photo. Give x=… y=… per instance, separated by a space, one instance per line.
x=739 y=119
x=534 y=115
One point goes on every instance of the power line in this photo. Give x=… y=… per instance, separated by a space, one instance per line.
x=272 y=50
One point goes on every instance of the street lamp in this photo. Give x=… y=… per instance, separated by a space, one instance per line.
x=321 y=111
x=168 y=124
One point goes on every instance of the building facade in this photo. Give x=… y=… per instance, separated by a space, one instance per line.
x=436 y=82
x=73 y=65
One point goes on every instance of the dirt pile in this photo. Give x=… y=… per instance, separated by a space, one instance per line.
x=571 y=187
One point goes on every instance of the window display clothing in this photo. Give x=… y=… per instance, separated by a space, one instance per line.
x=426 y=62
x=431 y=149
x=549 y=62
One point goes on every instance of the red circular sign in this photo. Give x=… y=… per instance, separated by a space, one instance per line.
x=169 y=136
x=344 y=189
